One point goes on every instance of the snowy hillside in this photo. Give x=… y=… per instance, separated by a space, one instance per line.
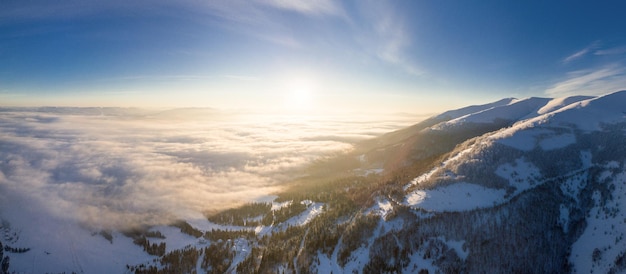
x=573 y=152
x=454 y=114
x=514 y=111
x=534 y=185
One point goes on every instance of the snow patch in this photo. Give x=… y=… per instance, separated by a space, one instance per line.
x=313 y=209
x=456 y=197
x=424 y=177
x=305 y=217
x=277 y=206
x=382 y=207
x=564 y=217
x=522 y=174
x=573 y=185
x=419 y=263
x=357 y=260
x=603 y=240
x=242 y=249
x=514 y=137
x=174 y=239
x=557 y=141
x=58 y=245
x=585 y=158
x=395 y=224
x=326 y=264
x=458 y=246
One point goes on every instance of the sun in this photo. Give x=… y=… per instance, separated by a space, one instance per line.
x=299 y=95
x=300 y=98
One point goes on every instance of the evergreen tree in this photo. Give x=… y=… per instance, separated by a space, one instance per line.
x=5 y=265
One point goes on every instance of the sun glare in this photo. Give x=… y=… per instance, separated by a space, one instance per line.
x=299 y=95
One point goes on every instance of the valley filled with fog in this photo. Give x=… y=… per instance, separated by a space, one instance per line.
x=113 y=168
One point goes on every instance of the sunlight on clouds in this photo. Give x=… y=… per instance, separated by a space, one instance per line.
x=600 y=81
x=117 y=167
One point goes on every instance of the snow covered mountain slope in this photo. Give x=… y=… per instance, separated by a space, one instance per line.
x=514 y=111
x=453 y=114
x=440 y=133
x=566 y=166
x=534 y=185
x=402 y=134
x=558 y=103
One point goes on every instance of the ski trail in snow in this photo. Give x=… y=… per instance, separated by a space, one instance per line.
x=199 y=263
x=75 y=257
x=295 y=260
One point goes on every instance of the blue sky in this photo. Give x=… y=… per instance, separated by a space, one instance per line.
x=409 y=56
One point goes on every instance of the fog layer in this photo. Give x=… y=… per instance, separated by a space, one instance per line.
x=111 y=168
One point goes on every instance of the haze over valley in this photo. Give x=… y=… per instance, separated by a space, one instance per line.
x=116 y=167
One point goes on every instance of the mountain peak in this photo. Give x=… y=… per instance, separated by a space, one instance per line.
x=453 y=114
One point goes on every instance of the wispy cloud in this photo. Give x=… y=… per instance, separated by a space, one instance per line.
x=581 y=53
x=257 y=19
x=243 y=17
x=262 y=19
x=396 y=40
x=576 y=55
x=594 y=49
x=318 y=7
x=380 y=29
x=599 y=81
x=611 y=51
x=383 y=32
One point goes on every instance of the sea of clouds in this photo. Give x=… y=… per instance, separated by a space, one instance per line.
x=114 y=167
